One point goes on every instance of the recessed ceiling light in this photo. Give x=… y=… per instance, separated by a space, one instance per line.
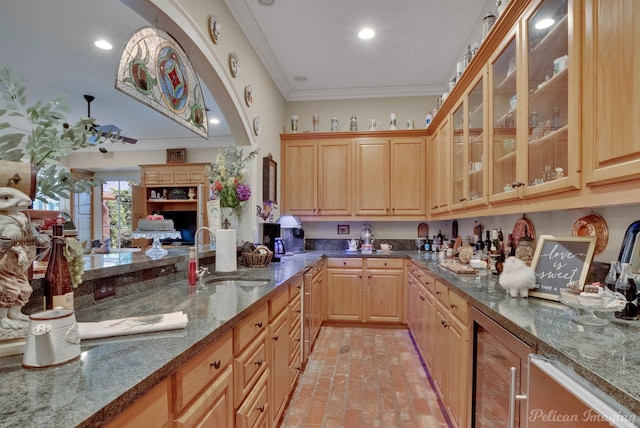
x=266 y=2
x=300 y=78
x=545 y=23
x=103 y=44
x=214 y=120
x=366 y=34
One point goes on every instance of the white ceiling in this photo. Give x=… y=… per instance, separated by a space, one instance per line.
x=50 y=45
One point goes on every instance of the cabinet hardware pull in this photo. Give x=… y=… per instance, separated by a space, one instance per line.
x=369 y=276
x=438 y=292
x=259 y=324
x=260 y=409
x=215 y=364
x=444 y=323
x=453 y=305
x=513 y=396
x=298 y=310
x=298 y=287
x=297 y=340
x=258 y=363
x=422 y=297
x=275 y=337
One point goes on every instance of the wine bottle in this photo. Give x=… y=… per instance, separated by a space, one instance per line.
x=58 y=288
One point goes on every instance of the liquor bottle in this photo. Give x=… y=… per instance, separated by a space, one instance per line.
x=192 y=274
x=58 y=289
x=487 y=243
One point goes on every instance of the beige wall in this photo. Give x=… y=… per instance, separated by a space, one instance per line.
x=415 y=108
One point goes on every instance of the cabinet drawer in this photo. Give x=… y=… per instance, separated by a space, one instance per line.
x=293 y=319
x=150 y=410
x=442 y=294
x=248 y=329
x=295 y=288
x=345 y=262
x=279 y=302
x=384 y=263
x=214 y=407
x=294 y=342
x=255 y=409
x=459 y=307
x=199 y=371
x=247 y=368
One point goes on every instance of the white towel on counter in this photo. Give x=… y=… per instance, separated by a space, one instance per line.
x=133 y=325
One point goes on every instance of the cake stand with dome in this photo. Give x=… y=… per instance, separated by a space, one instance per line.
x=156 y=251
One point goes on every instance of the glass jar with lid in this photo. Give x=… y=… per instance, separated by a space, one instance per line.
x=525 y=248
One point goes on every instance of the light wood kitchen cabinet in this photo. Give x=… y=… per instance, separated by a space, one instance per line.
x=344 y=289
x=295 y=330
x=383 y=290
x=331 y=175
x=408 y=177
x=198 y=392
x=396 y=169
x=450 y=360
x=278 y=351
x=372 y=172
x=165 y=188
x=213 y=407
x=254 y=412
x=299 y=177
x=369 y=292
x=506 y=159
x=611 y=131
x=150 y=410
x=421 y=310
x=335 y=181
x=440 y=192
x=250 y=353
x=469 y=161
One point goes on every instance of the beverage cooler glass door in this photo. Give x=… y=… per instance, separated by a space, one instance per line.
x=496 y=353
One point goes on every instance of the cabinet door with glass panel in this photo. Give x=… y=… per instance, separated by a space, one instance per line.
x=552 y=158
x=458 y=158
x=505 y=158
x=476 y=156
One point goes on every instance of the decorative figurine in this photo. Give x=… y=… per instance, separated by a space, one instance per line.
x=15 y=258
x=517 y=278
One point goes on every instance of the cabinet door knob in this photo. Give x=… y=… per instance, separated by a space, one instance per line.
x=259 y=324
x=422 y=297
x=453 y=306
x=274 y=337
x=215 y=364
x=260 y=409
x=258 y=363
x=438 y=292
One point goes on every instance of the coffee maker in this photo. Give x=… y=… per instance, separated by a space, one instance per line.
x=292 y=233
x=269 y=232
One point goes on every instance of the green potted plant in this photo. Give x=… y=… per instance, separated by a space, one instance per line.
x=40 y=134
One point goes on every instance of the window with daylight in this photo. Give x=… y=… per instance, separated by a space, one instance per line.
x=116 y=213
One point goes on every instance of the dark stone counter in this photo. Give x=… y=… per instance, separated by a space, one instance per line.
x=113 y=372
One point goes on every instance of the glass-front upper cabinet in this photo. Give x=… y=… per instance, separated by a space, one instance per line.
x=547 y=44
x=504 y=156
x=458 y=170
x=476 y=153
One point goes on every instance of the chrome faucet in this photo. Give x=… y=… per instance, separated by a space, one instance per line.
x=200 y=272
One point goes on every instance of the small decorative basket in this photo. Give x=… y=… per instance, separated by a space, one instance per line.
x=260 y=257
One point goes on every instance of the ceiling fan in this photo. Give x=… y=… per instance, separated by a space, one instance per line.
x=108 y=131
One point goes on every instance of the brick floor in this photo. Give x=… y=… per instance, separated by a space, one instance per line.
x=363 y=377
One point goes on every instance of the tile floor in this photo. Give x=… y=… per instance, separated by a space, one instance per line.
x=364 y=377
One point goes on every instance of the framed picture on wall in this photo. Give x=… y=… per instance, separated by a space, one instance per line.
x=176 y=155
x=343 y=229
x=269 y=179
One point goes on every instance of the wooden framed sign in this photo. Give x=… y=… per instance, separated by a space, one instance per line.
x=559 y=260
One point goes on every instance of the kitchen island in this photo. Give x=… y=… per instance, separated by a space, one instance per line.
x=113 y=372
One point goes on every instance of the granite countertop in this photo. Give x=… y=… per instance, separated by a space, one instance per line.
x=113 y=372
